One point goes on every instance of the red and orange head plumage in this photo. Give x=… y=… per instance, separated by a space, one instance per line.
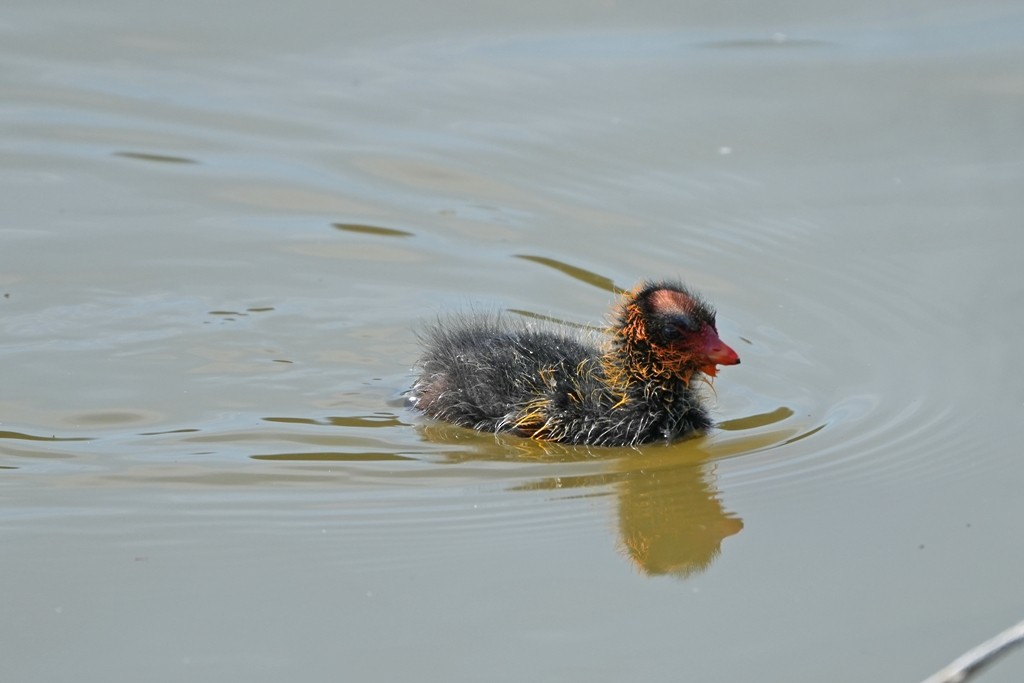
x=665 y=330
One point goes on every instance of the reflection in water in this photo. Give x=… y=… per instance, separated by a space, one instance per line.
x=575 y=272
x=159 y=158
x=520 y=449
x=379 y=419
x=331 y=456
x=670 y=517
x=23 y=436
x=671 y=521
x=753 y=421
x=550 y=319
x=371 y=230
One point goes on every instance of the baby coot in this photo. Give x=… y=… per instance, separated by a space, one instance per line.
x=635 y=386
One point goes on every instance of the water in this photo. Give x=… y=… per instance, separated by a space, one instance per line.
x=222 y=227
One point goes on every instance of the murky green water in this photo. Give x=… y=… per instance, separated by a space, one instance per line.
x=221 y=228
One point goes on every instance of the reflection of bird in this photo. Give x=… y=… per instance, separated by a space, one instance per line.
x=497 y=375
x=671 y=520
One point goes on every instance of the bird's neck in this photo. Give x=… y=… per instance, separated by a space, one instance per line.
x=634 y=366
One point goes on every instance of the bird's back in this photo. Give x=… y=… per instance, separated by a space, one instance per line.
x=483 y=371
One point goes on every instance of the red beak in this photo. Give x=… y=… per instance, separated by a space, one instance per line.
x=715 y=352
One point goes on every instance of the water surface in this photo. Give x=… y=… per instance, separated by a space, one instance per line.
x=223 y=226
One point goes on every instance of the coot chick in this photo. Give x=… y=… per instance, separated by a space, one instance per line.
x=635 y=386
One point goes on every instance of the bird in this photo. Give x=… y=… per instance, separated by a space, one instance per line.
x=635 y=384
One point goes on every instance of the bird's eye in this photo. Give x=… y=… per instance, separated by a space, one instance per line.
x=687 y=324
x=680 y=327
